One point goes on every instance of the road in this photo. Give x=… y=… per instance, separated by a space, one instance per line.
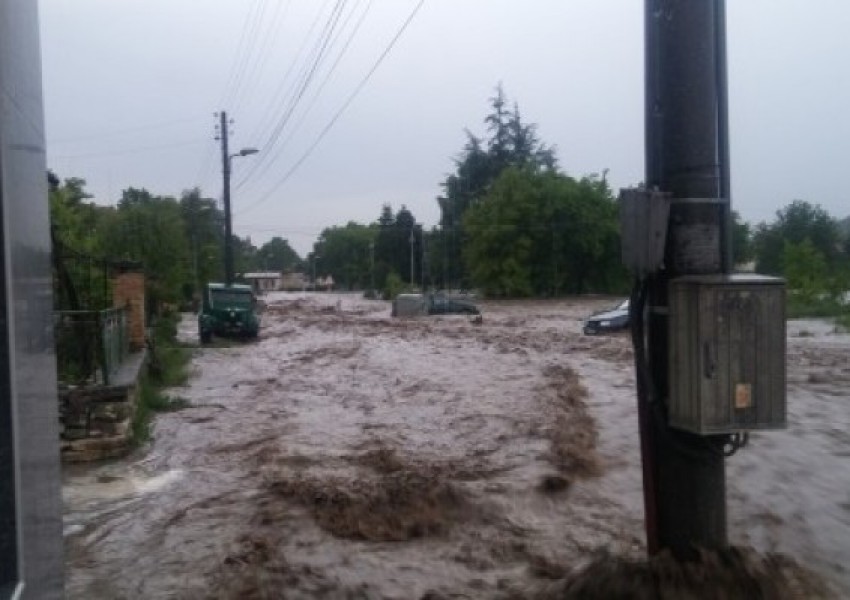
x=346 y=454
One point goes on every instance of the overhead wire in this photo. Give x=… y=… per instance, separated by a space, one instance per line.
x=320 y=52
x=264 y=51
x=265 y=122
x=243 y=49
x=341 y=110
x=314 y=99
x=239 y=58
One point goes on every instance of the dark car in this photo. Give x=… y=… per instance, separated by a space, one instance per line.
x=612 y=319
x=228 y=310
x=441 y=304
x=413 y=305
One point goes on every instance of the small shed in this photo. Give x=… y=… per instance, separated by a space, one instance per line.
x=268 y=281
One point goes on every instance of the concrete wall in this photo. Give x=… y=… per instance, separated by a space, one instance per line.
x=31 y=553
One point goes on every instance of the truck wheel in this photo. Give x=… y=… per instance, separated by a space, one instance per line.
x=206 y=336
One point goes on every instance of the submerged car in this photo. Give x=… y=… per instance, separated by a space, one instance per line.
x=411 y=305
x=228 y=310
x=612 y=319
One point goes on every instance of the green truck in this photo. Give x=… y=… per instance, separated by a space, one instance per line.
x=228 y=311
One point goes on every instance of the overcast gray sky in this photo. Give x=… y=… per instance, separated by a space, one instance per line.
x=131 y=87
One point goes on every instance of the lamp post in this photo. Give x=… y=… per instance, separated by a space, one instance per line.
x=372 y=267
x=226 y=159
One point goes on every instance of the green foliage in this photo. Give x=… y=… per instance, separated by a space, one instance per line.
x=152 y=400
x=511 y=143
x=742 y=243
x=393 y=286
x=805 y=270
x=393 y=246
x=795 y=223
x=203 y=223
x=542 y=233
x=167 y=367
x=179 y=243
x=277 y=255
x=345 y=254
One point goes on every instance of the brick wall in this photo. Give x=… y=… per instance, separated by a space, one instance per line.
x=128 y=289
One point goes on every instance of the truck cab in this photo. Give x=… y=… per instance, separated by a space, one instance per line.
x=228 y=311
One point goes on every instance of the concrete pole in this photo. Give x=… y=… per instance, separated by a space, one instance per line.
x=686 y=155
x=228 y=228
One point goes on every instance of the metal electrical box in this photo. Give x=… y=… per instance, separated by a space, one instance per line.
x=643 y=229
x=727 y=353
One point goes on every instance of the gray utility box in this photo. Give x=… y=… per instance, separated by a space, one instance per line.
x=727 y=353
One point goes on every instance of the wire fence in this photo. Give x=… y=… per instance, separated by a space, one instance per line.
x=90 y=345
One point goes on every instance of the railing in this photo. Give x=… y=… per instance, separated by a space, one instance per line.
x=90 y=344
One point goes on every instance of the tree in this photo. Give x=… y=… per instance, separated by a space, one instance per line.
x=150 y=229
x=204 y=226
x=278 y=255
x=511 y=143
x=742 y=245
x=345 y=254
x=393 y=246
x=805 y=270
x=543 y=233
x=795 y=223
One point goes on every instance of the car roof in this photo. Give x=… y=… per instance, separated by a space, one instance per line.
x=235 y=287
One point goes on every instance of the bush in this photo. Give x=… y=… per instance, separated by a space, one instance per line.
x=393 y=286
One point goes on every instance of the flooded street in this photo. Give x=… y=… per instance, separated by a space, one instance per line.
x=346 y=454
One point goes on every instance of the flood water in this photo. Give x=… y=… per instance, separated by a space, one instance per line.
x=346 y=454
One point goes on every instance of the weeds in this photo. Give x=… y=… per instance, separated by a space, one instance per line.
x=167 y=367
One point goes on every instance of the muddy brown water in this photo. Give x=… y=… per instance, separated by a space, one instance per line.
x=349 y=455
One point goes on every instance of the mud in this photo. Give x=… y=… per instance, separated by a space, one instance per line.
x=346 y=454
x=729 y=575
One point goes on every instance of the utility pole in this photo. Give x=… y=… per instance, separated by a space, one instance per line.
x=687 y=156
x=226 y=162
x=372 y=266
x=412 y=253
x=228 y=229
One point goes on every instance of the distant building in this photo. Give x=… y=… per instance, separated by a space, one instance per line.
x=268 y=281
x=325 y=283
x=292 y=282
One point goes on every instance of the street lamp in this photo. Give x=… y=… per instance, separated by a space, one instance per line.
x=371 y=268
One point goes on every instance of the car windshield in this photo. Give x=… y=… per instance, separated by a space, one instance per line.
x=231 y=298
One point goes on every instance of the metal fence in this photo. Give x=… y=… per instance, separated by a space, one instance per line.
x=90 y=345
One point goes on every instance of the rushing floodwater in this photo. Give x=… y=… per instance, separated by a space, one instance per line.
x=346 y=454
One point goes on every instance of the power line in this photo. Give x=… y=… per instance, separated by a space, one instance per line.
x=308 y=74
x=342 y=109
x=264 y=124
x=319 y=89
x=238 y=58
x=263 y=52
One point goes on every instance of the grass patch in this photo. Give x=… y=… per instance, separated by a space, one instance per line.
x=168 y=366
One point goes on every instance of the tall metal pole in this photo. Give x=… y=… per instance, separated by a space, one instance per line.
x=412 y=254
x=228 y=229
x=686 y=155
x=372 y=267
